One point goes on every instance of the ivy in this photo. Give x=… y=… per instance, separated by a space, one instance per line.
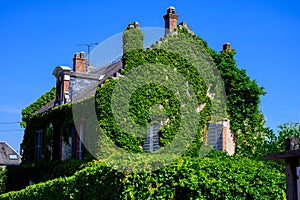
x=41 y=101
x=243 y=94
x=242 y=99
x=132 y=38
x=217 y=176
x=148 y=95
x=3 y=177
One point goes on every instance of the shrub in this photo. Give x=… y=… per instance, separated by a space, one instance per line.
x=216 y=177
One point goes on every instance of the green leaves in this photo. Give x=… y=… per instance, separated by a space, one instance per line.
x=41 y=101
x=215 y=177
x=133 y=39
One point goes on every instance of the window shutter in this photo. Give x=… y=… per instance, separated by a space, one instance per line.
x=38 y=144
x=215 y=136
x=152 y=140
x=74 y=135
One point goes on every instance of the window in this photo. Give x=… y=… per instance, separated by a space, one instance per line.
x=77 y=145
x=215 y=136
x=80 y=145
x=74 y=141
x=152 y=140
x=13 y=157
x=38 y=149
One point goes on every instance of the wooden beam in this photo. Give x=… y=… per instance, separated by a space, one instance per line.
x=291 y=157
x=282 y=155
x=291 y=178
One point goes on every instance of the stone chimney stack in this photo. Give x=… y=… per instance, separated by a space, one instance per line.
x=227 y=47
x=79 y=62
x=171 y=19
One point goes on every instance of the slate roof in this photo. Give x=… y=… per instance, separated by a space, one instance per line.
x=8 y=156
x=46 y=107
x=108 y=71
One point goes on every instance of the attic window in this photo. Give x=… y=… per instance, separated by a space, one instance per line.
x=13 y=157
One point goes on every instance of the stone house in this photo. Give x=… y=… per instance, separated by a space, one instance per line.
x=75 y=84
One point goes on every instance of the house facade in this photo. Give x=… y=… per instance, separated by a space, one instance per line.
x=79 y=82
x=8 y=156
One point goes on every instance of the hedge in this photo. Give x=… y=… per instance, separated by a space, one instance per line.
x=18 y=177
x=217 y=177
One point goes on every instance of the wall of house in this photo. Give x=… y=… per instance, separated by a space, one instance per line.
x=230 y=144
x=221 y=137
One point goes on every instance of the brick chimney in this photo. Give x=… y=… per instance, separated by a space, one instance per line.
x=170 y=20
x=79 y=62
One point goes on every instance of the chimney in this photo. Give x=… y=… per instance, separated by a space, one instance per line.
x=185 y=25
x=79 y=62
x=170 y=20
x=133 y=38
x=227 y=47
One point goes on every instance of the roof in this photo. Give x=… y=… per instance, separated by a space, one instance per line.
x=46 y=107
x=60 y=68
x=106 y=72
x=8 y=156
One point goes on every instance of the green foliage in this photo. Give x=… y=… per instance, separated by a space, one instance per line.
x=287 y=130
x=276 y=142
x=18 y=177
x=216 y=177
x=252 y=143
x=59 y=117
x=133 y=39
x=41 y=101
x=147 y=96
x=3 y=177
x=242 y=96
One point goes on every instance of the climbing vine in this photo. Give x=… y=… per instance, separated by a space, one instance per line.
x=242 y=97
x=148 y=95
x=133 y=38
x=41 y=101
x=243 y=94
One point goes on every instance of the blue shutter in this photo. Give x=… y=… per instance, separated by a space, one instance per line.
x=215 y=136
x=38 y=144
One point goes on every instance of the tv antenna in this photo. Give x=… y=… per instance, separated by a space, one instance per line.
x=89 y=45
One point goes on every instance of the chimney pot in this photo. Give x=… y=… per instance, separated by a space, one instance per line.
x=82 y=54
x=227 y=47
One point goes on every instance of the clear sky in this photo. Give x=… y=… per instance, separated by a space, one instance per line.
x=36 y=36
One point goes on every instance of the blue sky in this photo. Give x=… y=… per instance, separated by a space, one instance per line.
x=37 y=36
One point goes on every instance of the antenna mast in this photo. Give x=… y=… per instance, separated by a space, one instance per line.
x=89 y=45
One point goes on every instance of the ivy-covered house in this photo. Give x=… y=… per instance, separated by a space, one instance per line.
x=52 y=133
